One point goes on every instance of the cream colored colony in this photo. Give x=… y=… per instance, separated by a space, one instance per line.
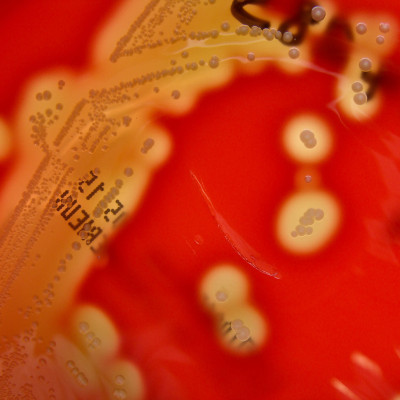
x=91 y=152
x=240 y=326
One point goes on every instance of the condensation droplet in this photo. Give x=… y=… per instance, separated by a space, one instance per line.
x=255 y=31
x=361 y=28
x=251 y=56
x=287 y=37
x=214 y=33
x=318 y=13
x=243 y=333
x=384 y=27
x=236 y=324
x=308 y=138
x=301 y=230
x=225 y=26
x=175 y=94
x=365 y=64
x=221 y=296
x=268 y=34
x=86 y=227
x=147 y=145
x=70 y=364
x=82 y=380
x=360 y=98
x=119 y=380
x=213 y=62
x=83 y=327
x=42 y=362
x=319 y=214
x=97 y=212
x=128 y=172
x=357 y=86
x=46 y=95
x=294 y=53
x=242 y=30
x=119 y=394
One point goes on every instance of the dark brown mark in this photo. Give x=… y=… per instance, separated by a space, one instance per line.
x=238 y=11
x=298 y=23
x=333 y=49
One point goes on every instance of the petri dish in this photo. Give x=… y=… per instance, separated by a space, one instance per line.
x=192 y=189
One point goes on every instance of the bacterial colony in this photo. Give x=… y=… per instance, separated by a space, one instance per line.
x=90 y=156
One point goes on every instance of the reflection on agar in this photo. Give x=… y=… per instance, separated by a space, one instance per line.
x=239 y=244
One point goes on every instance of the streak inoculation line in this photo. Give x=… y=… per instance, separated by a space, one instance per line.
x=242 y=248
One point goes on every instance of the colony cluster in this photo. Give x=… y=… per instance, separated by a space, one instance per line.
x=365 y=64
